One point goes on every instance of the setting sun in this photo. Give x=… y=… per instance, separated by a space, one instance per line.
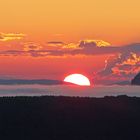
x=78 y=79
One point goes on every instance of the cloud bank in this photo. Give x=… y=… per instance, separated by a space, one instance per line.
x=123 y=61
x=72 y=49
x=122 y=66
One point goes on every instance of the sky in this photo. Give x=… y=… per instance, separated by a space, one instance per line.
x=51 y=39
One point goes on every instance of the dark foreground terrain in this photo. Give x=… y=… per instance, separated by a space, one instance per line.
x=67 y=118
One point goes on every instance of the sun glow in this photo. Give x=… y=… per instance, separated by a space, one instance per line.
x=78 y=79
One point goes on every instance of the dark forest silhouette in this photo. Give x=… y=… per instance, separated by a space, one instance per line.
x=69 y=118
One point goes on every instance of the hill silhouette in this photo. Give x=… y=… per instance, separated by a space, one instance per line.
x=136 y=80
x=69 y=118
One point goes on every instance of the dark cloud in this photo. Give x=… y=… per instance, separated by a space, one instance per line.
x=109 y=64
x=55 y=42
x=31 y=46
x=83 y=44
x=125 y=65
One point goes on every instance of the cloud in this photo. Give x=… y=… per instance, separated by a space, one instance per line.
x=83 y=48
x=123 y=61
x=122 y=66
x=56 y=48
x=55 y=44
x=71 y=46
x=93 y=43
x=11 y=36
x=109 y=64
x=87 y=44
x=31 y=46
x=129 y=66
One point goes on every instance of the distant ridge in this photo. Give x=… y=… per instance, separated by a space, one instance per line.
x=30 y=82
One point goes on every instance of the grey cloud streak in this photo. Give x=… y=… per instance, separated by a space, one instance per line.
x=97 y=51
x=84 y=50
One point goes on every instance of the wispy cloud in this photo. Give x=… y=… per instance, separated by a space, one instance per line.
x=11 y=36
x=31 y=46
x=55 y=44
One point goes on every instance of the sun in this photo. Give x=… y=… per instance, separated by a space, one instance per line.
x=77 y=79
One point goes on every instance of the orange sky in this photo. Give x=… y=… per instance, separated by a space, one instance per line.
x=43 y=20
x=27 y=25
